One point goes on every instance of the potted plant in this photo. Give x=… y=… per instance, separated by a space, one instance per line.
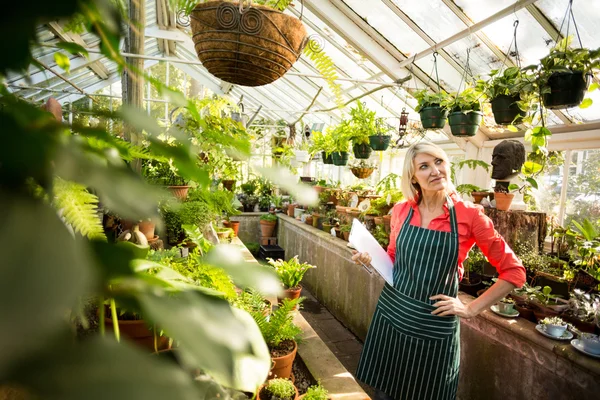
x=267 y=224
x=362 y=169
x=466 y=115
x=290 y=273
x=329 y=221
x=302 y=152
x=565 y=73
x=506 y=305
x=316 y=392
x=582 y=310
x=547 y=304
x=166 y=174
x=253 y=302
x=345 y=229
x=323 y=143
x=554 y=326
x=503 y=197
x=280 y=334
x=505 y=91
x=381 y=140
x=362 y=126
x=341 y=140
x=382 y=237
x=473 y=265
x=278 y=389
x=591 y=343
x=433 y=108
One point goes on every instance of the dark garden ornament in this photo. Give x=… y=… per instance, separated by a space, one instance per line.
x=246 y=44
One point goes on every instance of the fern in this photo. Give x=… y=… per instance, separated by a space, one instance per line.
x=326 y=68
x=79 y=208
x=279 y=326
x=468 y=189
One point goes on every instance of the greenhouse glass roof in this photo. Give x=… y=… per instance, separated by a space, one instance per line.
x=371 y=43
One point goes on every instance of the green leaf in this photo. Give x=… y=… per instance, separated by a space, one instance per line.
x=532 y=182
x=224 y=342
x=531 y=168
x=44 y=271
x=105 y=369
x=593 y=87
x=512 y=128
x=586 y=103
x=73 y=48
x=244 y=274
x=513 y=187
x=62 y=61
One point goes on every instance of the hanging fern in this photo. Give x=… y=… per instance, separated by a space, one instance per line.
x=79 y=208
x=326 y=68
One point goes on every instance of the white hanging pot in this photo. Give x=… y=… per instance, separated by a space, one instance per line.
x=302 y=156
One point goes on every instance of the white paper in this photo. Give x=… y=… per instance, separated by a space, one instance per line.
x=364 y=242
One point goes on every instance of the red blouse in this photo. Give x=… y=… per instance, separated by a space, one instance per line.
x=474 y=227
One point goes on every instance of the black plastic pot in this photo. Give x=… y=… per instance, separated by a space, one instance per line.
x=506 y=111
x=462 y=124
x=327 y=159
x=380 y=142
x=362 y=151
x=340 y=158
x=567 y=89
x=433 y=117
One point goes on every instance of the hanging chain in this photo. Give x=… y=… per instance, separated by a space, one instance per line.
x=437 y=77
x=568 y=17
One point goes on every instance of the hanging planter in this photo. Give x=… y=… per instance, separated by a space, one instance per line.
x=362 y=150
x=506 y=110
x=567 y=89
x=380 y=142
x=433 y=117
x=465 y=124
x=248 y=46
x=340 y=158
x=362 y=173
x=327 y=158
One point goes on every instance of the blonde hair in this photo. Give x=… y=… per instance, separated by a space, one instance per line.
x=412 y=192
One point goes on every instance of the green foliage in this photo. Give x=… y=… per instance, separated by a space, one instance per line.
x=512 y=82
x=204 y=275
x=290 y=272
x=382 y=237
x=251 y=301
x=362 y=125
x=281 y=389
x=426 y=98
x=279 y=326
x=467 y=189
x=473 y=164
x=322 y=142
x=474 y=262
x=467 y=101
x=253 y=248
x=390 y=181
x=316 y=392
x=326 y=68
x=219 y=202
x=587 y=247
x=341 y=135
x=196 y=213
x=268 y=217
x=161 y=173
x=79 y=208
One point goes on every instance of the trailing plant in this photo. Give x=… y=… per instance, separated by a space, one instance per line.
x=160 y=172
x=279 y=326
x=467 y=101
x=290 y=272
x=369 y=164
x=282 y=389
x=322 y=142
x=512 y=82
x=583 y=306
x=427 y=98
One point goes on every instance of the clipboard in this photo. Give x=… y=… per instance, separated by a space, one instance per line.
x=362 y=240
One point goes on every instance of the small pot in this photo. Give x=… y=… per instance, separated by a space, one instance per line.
x=465 y=124
x=235 y=225
x=147 y=228
x=380 y=142
x=290 y=210
x=298 y=212
x=525 y=311
x=506 y=110
x=291 y=294
x=506 y=308
x=309 y=220
x=362 y=150
x=316 y=220
x=555 y=330
x=283 y=364
x=180 y=192
x=327 y=228
x=387 y=223
x=340 y=158
x=264 y=396
x=346 y=236
x=567 y=89
x=478 y=196
x=591 y=343
x=228 y=184
x=267 y=228
x=503 y=200
x=433 y=117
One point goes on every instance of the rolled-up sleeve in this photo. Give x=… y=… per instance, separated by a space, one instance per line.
x=497 y=251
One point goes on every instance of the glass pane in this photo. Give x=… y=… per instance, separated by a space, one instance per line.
x=432 y=16
x=583 y=196
x=587 y=16
x=547 y=197
x=478 y=10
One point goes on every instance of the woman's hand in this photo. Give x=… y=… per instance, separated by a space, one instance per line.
x=450 y=306
x=358 y=258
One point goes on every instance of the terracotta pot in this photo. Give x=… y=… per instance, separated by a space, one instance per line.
x=387 y=221
x=137 y=332
x=478 y=196
x=290 y=294
x=283 y=364
x=309 y=220
x=229 y=184
x=320 y=189
x=258 y=397
x=180 y=192
x=267 y=228
x=235 y=225
x=290 y=210
x=147 y=228
x=379 y=221
x=503 y=200
x=340 y=209
x=338 y=233
x=346 y=236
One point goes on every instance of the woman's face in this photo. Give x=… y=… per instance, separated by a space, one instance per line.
x=431 y=173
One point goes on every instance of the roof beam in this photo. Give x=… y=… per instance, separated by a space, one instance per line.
x=71 y=37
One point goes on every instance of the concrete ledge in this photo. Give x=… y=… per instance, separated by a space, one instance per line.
x=320 y=361
x=249 y=226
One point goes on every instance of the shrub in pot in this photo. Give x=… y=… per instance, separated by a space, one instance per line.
x=565 y=73
x=267 y=224
x=433 y=108
x=316 y=392
x=466 y=115
x=278 y=389
x=280 y=334
x=290 y=273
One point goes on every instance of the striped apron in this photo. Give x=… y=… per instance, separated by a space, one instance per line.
x=409 y=353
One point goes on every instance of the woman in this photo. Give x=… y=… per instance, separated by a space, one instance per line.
x=412 y=347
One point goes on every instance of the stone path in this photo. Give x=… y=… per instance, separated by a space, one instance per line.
x=336 y=336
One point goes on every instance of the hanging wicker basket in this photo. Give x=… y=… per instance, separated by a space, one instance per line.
x=246 y=45
x=362 y=173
